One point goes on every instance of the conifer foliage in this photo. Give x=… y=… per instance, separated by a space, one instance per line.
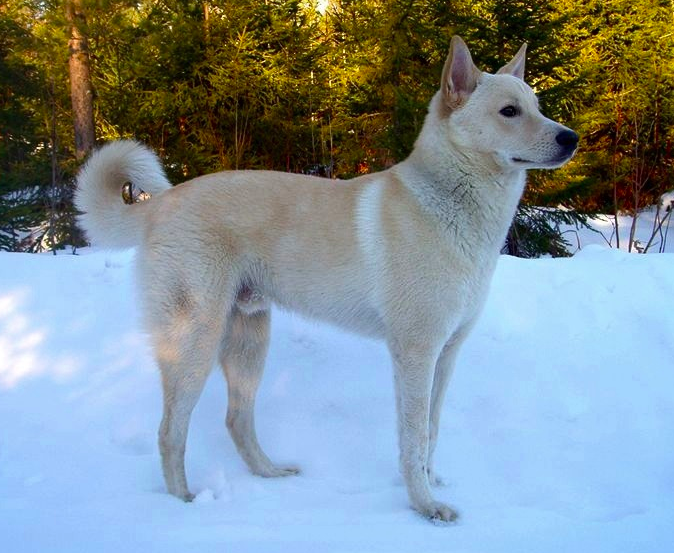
x=328 y=87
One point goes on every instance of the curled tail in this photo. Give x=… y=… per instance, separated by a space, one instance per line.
x=107 y=220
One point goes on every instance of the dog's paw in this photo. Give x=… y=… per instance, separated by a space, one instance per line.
x=187 y=497
x=182 y=494
x=287 y=471
x=278 y=472
x=439 y=512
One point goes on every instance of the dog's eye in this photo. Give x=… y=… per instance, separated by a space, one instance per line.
x=509 y=111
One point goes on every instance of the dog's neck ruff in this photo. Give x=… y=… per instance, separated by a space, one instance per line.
x=472 y=195
x=478 y=212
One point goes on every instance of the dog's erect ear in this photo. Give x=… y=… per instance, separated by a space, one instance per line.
x=460 y=76
x=515 y=66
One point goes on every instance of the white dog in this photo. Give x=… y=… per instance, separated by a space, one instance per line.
x=406 y=255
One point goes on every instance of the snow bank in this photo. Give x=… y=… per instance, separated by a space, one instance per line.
x=556 y=436
x=652 y=227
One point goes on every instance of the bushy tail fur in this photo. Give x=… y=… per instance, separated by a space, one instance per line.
x=106 y=219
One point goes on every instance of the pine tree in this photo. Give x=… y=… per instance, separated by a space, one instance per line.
x=81 y=90
x=625 y=110
x=24 y=167
x=213 y=84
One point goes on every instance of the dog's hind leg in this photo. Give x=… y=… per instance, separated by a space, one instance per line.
x=242 y=357
x=186 y=342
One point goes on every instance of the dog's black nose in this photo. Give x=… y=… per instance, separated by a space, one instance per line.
x=568 y=139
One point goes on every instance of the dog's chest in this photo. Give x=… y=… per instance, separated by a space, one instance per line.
x=458 y=283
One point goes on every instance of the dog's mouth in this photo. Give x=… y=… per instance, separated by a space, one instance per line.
x=550 y=163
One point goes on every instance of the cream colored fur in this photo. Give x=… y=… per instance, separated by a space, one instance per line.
x=405 y=255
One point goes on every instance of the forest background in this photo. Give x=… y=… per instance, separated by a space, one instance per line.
x=334 y=88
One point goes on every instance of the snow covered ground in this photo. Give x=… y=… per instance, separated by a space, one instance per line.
x=557 y=434
x=603 y=230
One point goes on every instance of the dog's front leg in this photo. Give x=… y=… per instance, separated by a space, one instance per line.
x=414 y=366
x=443 y=372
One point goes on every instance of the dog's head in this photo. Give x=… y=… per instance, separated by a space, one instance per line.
x=498 y=114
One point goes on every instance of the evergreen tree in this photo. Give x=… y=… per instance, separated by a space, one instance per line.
x=213 y=84
x=24 y=149
x=625 y=109
x=81 y=91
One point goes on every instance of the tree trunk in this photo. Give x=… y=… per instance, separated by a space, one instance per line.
x=81 y=91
